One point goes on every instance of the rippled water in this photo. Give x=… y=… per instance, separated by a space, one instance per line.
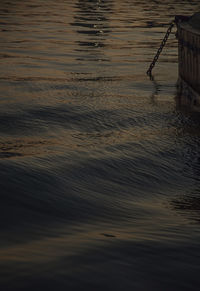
x=99 y=165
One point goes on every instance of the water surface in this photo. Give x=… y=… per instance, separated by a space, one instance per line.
x=99 y=165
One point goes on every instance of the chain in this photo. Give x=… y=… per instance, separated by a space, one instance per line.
x=160 y=48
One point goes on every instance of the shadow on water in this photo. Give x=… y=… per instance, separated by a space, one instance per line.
x=187 y=204
x=187 y=100
x=156 y=89
x=187 y=124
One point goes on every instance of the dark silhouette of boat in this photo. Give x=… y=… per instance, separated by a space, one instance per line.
x=188 y=35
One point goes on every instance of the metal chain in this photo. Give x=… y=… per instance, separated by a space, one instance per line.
x=160 y=48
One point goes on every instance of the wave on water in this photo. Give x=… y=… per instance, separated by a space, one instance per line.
x=99 y=165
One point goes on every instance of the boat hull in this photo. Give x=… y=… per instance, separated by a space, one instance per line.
x=189 y=61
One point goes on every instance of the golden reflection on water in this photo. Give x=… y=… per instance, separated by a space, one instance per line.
x=74 y=140
x=20 y=147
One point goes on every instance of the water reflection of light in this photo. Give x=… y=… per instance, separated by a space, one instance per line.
x=92 y=22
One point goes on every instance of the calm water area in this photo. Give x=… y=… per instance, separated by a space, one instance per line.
x=99 y=165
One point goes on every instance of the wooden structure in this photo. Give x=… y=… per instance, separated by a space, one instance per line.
x=188 y=34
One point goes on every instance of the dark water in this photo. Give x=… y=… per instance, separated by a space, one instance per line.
x=99 y=166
